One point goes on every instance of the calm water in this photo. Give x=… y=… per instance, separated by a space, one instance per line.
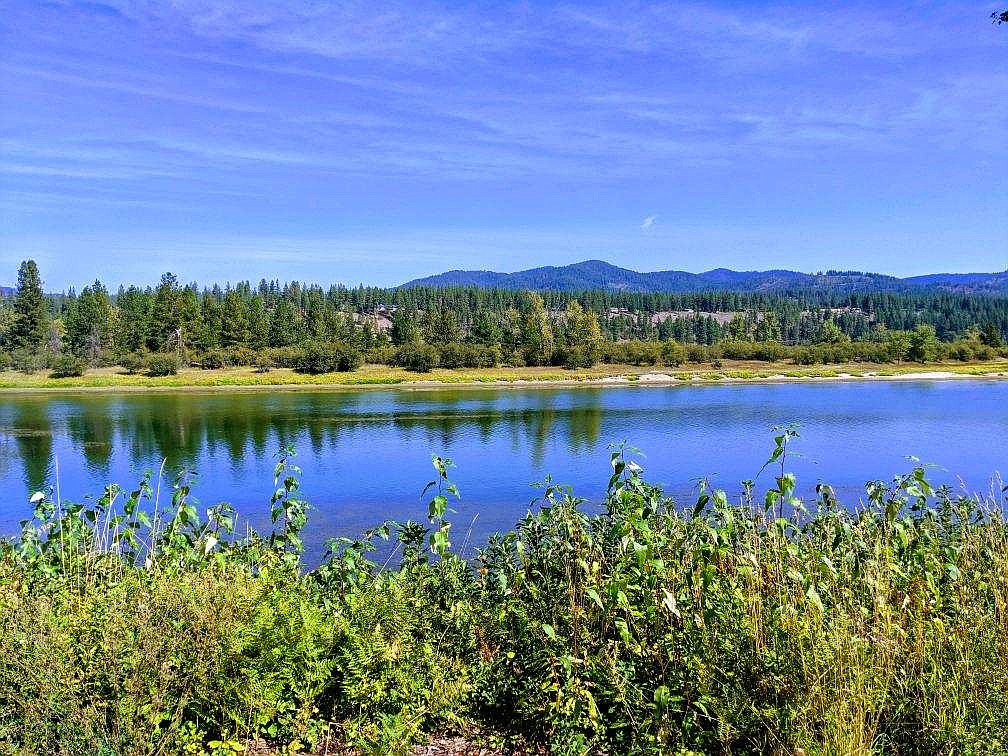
x=366 y=455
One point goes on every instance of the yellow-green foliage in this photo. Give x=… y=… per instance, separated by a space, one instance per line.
x=771 y=625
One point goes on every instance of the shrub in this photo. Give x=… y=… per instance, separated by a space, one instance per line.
x=382 y=355
x=264 y=364
x=515 y=359
x=215 y=360
x=68 y=366
x=242 y=355
x=633 y=353
x=285 y=357
x=419 y=358
x=673 y=354
x=701 y=353
x=482 y=356
x=574 y=358
x=162 y=364
x=5 y=360
x=455 y=355
x=134 y=362
x=452 y=356
x=27 y=361
x=329 y=358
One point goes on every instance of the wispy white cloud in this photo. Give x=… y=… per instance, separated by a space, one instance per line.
x=303 y=114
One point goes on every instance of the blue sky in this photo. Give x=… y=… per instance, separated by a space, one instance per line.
x=377 y=142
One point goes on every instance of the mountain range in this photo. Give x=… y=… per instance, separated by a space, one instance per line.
x=598 y=274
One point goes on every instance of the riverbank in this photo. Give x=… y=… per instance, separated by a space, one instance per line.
x=115 y=379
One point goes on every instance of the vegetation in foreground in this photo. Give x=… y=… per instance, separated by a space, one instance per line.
x=770 y=625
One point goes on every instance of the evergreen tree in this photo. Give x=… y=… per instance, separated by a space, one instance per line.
x=88 y=323
x=134 y=306
x=768 y=327
x=991 y=335
x=31 y=322
x=211 y=307
x=258 y=323
x=405 y=327
x=443 y=327
x=486 y=328
x=234 y=321
x=737 y=329
x=166 y=318
x=194 y=333
x=285 y=325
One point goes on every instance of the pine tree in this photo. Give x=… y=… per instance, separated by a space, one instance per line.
x=486 y=328
x=991 y=335
x=31 y=324
x=285 y=325
x=405 y=328
x=234 y=321
x=258 y=323
x=768 y=327
x=193 y=324
x=166 y=318
x=88 y=323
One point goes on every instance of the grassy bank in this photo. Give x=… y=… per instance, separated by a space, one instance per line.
x=763 y=626
x=380 y=375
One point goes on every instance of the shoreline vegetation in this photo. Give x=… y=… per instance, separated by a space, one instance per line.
x=188 y=336
x=369 y=376
x=138 y=624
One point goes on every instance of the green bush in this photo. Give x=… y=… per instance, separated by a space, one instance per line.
x=419 y=358
x=574 y=358
x=452 y=356
x=329 y=358
x=26 y=361
x=382 y=355
x=673 y=354
x=68 y=366
x=285 y=357
x=456 y=355
x=215 y=360
x=633 y=353
x=162 y=364
x=134 y=362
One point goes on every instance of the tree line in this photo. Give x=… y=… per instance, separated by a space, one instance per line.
x=309 y=328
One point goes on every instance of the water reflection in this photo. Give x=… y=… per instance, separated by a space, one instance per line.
x=183 y=429
x=366 y=454
x=33 y=435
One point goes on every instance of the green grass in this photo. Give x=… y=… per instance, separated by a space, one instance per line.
x=379 y=375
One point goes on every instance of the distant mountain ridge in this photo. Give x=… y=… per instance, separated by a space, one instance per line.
x=598 y=274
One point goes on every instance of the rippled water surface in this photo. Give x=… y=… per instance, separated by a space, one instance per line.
x=366 y=454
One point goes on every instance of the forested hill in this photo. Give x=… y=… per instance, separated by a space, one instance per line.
x=597 y=275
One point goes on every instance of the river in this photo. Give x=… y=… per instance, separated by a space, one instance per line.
x=366 y=454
